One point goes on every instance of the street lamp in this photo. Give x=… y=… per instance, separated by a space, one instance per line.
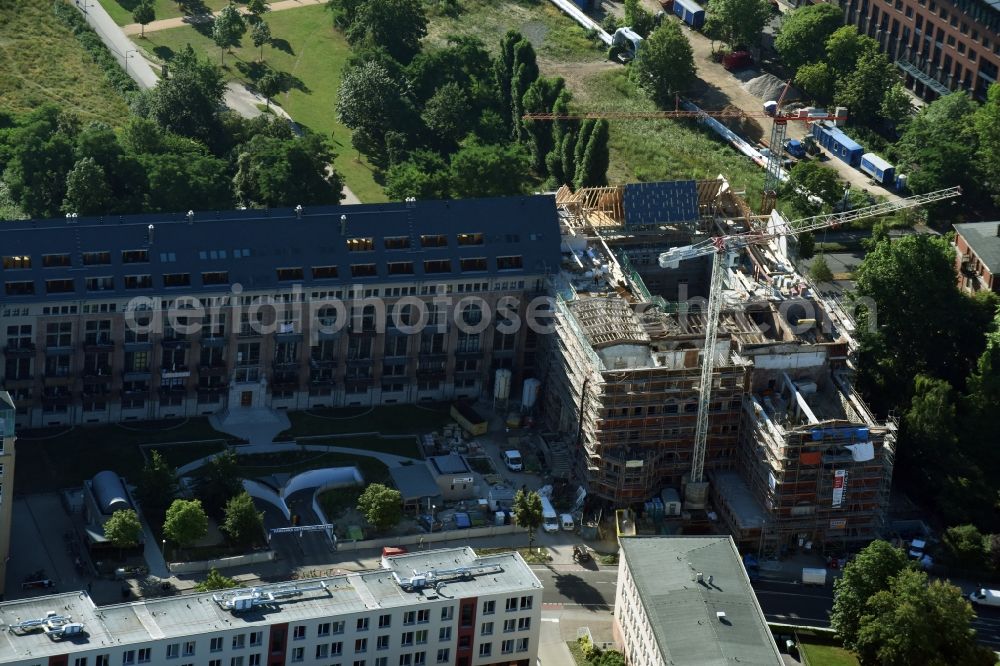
x=433 y=509
x=164 y=542
x=128 y=54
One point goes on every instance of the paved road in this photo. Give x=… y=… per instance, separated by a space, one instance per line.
x=120 y=46
x=576 y=587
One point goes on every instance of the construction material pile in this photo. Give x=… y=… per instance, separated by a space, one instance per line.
x=769 y=87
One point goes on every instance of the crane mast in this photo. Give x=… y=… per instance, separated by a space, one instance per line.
x=719 y=247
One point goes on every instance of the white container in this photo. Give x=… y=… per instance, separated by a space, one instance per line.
x=501 y=385
x=530 y=393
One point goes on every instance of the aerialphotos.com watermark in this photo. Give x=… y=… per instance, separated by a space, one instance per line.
x=472 y=314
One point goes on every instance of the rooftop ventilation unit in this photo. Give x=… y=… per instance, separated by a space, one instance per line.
x=54 y=626
x=433 y=578
x=237 y=601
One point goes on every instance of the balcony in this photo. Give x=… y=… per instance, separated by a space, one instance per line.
x=136 y=393
x=98 y=344
x=175 y=372
x=215 y=389
x=284 y=384
x=58 y=377
x=172 y=389
x=56 y=399
x=135 y=374
x=322 y=381
x=20 y=350
x=247 y=331
x=285 y=366
x=96 y=390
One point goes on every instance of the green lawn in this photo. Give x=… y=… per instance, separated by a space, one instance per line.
x=54 y=458
x=121 y=10
x=42 y=62
x=179 y=454
x=827 y=655
x=312 y=55
x=397 y=446
x=338 y=500
x=388 y=420
x=257 y=465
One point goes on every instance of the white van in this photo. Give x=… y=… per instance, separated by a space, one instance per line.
x=550 y=520
x=984 y=597
x=513 y=460
x=566 y=522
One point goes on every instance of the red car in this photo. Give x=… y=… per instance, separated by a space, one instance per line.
x=737 y=60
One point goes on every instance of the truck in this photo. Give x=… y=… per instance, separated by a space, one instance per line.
x=795 y=148
x=984 y=597
x=550 y=519
x=813 y=576
x=690 y=12
x=512 y=459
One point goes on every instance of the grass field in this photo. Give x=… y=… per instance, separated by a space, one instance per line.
x=827 y=655
x=312 y=55
x=397 y=446
x=388 y=420
x=42 y=62
x=292 y=462
x=121 y=10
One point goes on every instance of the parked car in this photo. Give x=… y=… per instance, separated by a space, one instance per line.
x=737 y=60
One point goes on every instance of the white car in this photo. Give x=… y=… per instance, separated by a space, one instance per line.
x=513 y=460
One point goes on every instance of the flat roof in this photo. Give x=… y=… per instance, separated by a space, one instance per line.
x=682 y=611
x=249 y=246
x=197 y=614
x=414 y=481
x=452 y=463
x=982 y=238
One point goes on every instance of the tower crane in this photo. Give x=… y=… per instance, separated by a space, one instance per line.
x=779 y=129
x=721 y=246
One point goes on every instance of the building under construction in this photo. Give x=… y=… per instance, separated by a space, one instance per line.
x=793 y=455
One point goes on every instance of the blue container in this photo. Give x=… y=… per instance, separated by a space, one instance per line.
x=690 y=12
x=876 y=167
x=838 y=143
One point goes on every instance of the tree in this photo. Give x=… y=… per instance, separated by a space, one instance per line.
x=812 y=178
x=423 y=176
x=896 y=105
x=807 y=245
x=523 y=75
x=817 y=80
x=665 y=64
x=243 y=523
x=994 y=550
x=256 y=10
x=868 y=573
x=143 y=14
x=479 y=170
x=528 y=512
x=123 y=529
x=157 y=486
x=844 y=47
x=865 y=86
x=820 y=270
x=911 y=622
x=804 y=33
x=592 y=169
x=215 y=581
x=220 y=482
x=740 y=22
x=381 y=506
x=261 y=35
x=448 y=113
x=637 y=18
x=987 y=124
x=186 y=522
x=87 y=190
x=929 y=432
x=397 y=26
x=227 y=28
x=939 y=146
x=40 y=154
x=369 y=102
x=272 y=172
x=270 y=84
x=966 y=546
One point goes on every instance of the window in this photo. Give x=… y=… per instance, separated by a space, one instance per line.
x=102 y=660
x=470 y=239
x=522 y=644
x=467 y=611
x=409 y=617
x=16 y=262
x=323 y=629
x=298 y=654
x=59 y=286
x=444 y=634
x=105 y=283
x=215 y=277
x=397 y=242
x=359 y=662
x=485 y=649
x=400 y=268
x=80 y=661
x=523 y=623
x=507 y=647
x=215 y=662
x=215 y=645
x=239 y=641
x=322 y=651
x=384 y=621
x=421 y=637
x=447 y=613
x=363 y=270
x=128 y=657
x=145 y=655
x=382 y=661
x=526 y=602
x=423 y=616
x=289 y=274
x=509 y=625
x=443 y=654
x=360 y=244
x=324 y=272
x=176 y=279
x=338 y=627
x=189 y=649
x=406 y=639
x=473 y=265
x=511 y=604
x=100 y=258
x=382 y=642
x=487 y=629
x=236 y=661
x=138 y=282
x=437 y=266
x=510 y=263
x=361 y=644
x=299 y=632
x=336 y=649
x=24 y=288
x=434 y=240
x=135 y=256
x=362 y=624
x=254 y=660
x=256 y=638
x=56 y=260
x=173 y=650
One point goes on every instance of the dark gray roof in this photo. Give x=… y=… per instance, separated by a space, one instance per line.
x=982 y=238
x=662 y=202
x=251 y=244
x=449 y=464
x=682 y=611
x=414 y=481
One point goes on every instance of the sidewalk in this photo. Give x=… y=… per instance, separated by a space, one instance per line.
x=181 y=21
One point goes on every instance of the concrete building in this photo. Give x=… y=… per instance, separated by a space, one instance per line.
x=479 y=611
x=939 y=45
x=687 y=600
x=156 y=316
x=977 y=249
x=7 y=439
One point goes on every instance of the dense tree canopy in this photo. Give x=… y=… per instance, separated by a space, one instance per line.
x=397 y=26
x=739 y=23
x=868 y=573
x=528 y=512
x=804 y=32
x=665 y=64
x=939 y=146
x=272 y=172
x=381 y=506
x=185 y=522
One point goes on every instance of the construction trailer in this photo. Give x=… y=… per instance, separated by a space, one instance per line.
x=690 y=12
x=839 y=144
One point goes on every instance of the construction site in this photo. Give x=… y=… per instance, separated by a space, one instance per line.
x=789 y=457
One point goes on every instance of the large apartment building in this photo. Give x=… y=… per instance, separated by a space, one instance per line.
x=939 y=45
x=445 y=607
x=157 y=316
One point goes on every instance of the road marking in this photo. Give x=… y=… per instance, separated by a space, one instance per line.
x=550 y=619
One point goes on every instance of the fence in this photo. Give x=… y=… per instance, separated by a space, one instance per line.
x=221 y=563
x=434 y=537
